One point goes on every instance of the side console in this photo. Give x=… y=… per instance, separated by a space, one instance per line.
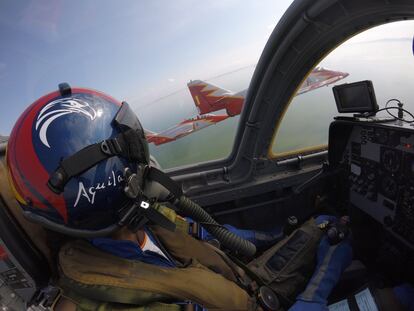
x=378 y=159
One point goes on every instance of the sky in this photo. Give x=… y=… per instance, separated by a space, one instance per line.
x=136 y=51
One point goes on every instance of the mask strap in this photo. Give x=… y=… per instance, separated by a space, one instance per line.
x=125 y=144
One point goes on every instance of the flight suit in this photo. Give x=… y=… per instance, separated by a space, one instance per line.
x=95 y=280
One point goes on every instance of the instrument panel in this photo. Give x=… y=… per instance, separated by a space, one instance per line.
x=380 y=162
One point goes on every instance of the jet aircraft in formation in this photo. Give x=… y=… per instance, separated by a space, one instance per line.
x=210 y=98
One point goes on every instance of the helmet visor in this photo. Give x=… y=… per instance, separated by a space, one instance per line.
x=126 y=118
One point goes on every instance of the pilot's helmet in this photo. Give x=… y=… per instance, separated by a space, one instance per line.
x=66 y=158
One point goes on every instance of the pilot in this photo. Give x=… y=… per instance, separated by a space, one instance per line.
x=79 y=165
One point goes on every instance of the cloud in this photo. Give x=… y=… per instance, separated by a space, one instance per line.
x=171 y=80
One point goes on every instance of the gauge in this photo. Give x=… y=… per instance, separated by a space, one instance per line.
x=391 y=160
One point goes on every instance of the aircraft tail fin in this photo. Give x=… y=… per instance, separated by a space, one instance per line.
x=207 y=97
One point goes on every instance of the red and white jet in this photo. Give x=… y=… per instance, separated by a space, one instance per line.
x=184 y=128
x=209 y=98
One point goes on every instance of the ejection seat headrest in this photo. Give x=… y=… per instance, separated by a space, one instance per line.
x=25 y=241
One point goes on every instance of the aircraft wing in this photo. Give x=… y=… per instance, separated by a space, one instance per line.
x=184 y=128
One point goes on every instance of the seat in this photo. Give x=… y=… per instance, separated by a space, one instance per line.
x=25 y=261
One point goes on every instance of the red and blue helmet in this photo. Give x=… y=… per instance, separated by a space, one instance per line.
x=67 y=155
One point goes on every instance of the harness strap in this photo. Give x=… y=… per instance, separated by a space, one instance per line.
x=84 y=159
x=239 y=272
x=162 y=178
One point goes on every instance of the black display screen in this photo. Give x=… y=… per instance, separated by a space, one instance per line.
x=355 y=97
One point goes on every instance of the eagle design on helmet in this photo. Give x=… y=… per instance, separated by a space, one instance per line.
x=59 y=108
